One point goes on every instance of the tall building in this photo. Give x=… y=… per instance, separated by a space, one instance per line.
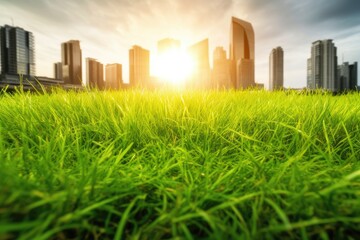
x=322 y=66
x=94 y=74
x=242 y=54
x=309 y=80
x=71 y=62
x=199 y=52
x=17 y=51
x=220 y=76
x=114 y=76
x=354 y=76
x=139 y=67
x=347 y=76
x=58 y=70
x=276 y=69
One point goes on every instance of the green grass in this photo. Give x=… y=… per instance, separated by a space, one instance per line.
x=172 y=165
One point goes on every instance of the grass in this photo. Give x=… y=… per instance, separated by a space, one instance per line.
x=172 y=165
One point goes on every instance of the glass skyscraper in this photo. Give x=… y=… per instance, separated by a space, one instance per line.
x=276 y=69
x=71 y=60
x=17 y=51
x=242 y=54
x=322 y=66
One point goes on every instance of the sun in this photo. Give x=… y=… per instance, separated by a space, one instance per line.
x=173 y=66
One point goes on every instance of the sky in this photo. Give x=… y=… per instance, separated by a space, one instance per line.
x=107 y=29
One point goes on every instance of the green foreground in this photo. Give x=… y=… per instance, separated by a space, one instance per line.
x=171 y=165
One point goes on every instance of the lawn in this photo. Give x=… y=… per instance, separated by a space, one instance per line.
x=179 y=165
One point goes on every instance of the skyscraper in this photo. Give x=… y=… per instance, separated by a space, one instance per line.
x=139 y=67
x=322 y=66
x=201 y=75
x=114 y=76
x=276 y=69
x=94 y=74
x=58 y=70
x=242 y=54
x=71 y=62
x=220 y=75
x=354 y=76
x=308 y=74
x=17 y=51
x=347 y=76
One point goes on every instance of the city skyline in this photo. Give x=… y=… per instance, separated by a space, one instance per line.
x=17 y=57
x=294 y=29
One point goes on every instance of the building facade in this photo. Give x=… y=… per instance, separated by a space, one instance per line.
x=94 y=74
x=322 y=66
x=347 y=76
x=139 y=67
x=220 y=76
x=242 y=54
x=17 y=51
x=71 y=60
x=113 y=77
x=276 y=69
x=200 y=78
x=58 y=70
x=309 y=80
x=354 y=85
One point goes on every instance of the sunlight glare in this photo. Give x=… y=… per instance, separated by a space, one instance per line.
x=174 y=66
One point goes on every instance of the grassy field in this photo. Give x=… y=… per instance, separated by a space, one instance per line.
x=172 y=165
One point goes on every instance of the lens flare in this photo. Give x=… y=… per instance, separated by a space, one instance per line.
x=174 y=66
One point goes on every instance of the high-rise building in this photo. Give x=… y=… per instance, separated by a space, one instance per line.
x=71 y=62
x=94 y=74
x=242 y=54
x=276 y=69
x=17 y=51
x=100 y=80
x=347 y=76
x=309 y=80
x=354 y=76
x=199 y=52
x=322 y=66
x=139 y=67
x=220 y=75
x=58 y=70
x=114 y=76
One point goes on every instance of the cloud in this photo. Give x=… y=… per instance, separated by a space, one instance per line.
x=342 y=13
